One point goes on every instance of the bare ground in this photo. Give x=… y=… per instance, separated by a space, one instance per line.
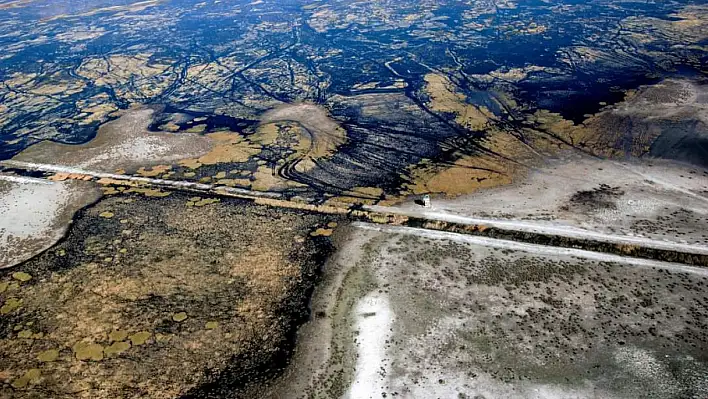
x=35 y=214
x=124 y=143
x=656 y=199
x=411 y=313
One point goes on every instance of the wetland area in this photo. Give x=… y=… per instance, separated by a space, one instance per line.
x=224 y=199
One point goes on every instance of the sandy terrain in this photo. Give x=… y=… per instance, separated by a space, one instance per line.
x=34 y=214
x=654 y=199
x=411 y=313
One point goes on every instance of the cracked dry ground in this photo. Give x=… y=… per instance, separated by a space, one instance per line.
x=161 y=298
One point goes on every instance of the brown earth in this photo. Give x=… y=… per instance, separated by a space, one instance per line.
x=154 y=297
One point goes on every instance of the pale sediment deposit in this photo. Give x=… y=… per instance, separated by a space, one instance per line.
x=373 y=329
x=425 y=314
x=323 y=134
x=656 y=199
x=124 y=143
x=34 y=214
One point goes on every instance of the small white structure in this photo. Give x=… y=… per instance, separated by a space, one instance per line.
x=426 y=201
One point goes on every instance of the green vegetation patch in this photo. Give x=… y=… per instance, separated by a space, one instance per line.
x=30 y=377
x=48 y=356
x=22 y=276
x=179 y=317
x=11 y=305
x=88 y=351
x=116 y=348
x=117 y=335
x=140 y=338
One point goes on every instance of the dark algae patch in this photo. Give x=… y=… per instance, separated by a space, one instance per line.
x=151 y=297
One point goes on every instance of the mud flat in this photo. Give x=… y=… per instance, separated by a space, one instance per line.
x=34 y=214
x=656 y=199
x=325 y=133
x=123 y=143
x=411 y=313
